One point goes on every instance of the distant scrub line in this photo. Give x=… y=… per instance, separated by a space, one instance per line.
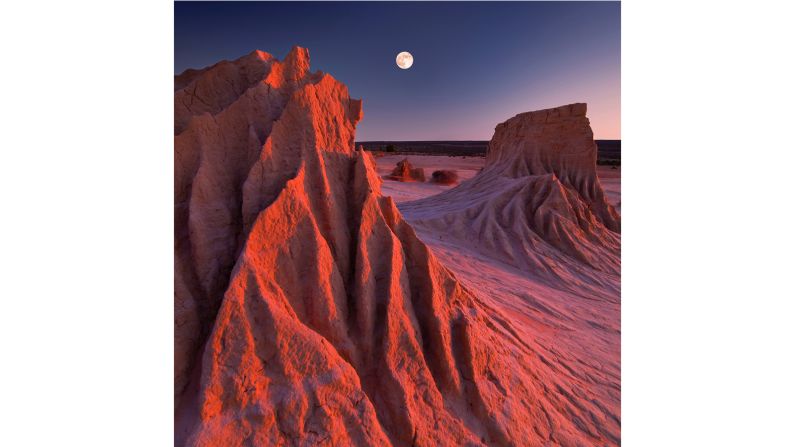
x=609 y=151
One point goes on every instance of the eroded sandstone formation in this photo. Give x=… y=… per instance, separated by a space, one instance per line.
x=307 y=311
x=405 y=172
x=555 y=141
x=538 y=202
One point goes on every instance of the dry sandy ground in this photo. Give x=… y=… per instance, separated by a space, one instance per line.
x=575 y=327
x=467 y=167
x=611 y=183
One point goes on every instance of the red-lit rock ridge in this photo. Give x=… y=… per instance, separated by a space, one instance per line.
x=307 y=311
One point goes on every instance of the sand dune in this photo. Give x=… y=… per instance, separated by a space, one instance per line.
x=309 y=312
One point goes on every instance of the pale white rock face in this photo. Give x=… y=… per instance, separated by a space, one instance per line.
x=538 y=203
x=555 y=141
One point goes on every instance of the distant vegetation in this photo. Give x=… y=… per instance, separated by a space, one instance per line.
x=609 y=150
x=444 y=177
x=468 y=148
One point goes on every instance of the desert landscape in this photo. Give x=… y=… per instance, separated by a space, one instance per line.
x=466 y=167
x=325 y=296
x=397 y=224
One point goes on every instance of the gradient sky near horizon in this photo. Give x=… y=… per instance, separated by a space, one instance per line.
x=476 y=64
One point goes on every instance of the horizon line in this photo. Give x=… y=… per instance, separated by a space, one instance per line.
x=456 y=141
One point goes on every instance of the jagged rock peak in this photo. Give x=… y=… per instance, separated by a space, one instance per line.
x=243 y=128
x=294 y=68
x=261 y=55
x=212 y=89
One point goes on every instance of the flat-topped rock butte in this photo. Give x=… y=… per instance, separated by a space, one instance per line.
x=309 y=311
x=538 y=202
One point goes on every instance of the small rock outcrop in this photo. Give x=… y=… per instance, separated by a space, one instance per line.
x=405 y=172
x=444 y=177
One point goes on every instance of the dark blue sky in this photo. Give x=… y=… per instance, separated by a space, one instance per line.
x=476 y=64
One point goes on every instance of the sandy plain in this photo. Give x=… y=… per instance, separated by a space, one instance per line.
x=467 y=167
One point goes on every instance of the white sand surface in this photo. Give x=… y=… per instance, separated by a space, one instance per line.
x=611 y=182
x=466 y=167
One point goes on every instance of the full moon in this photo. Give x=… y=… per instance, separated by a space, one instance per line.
x=404 y=59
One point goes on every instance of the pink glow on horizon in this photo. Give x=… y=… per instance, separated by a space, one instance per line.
x=475 y=119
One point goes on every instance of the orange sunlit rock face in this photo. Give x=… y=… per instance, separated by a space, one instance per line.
x=308 y=311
